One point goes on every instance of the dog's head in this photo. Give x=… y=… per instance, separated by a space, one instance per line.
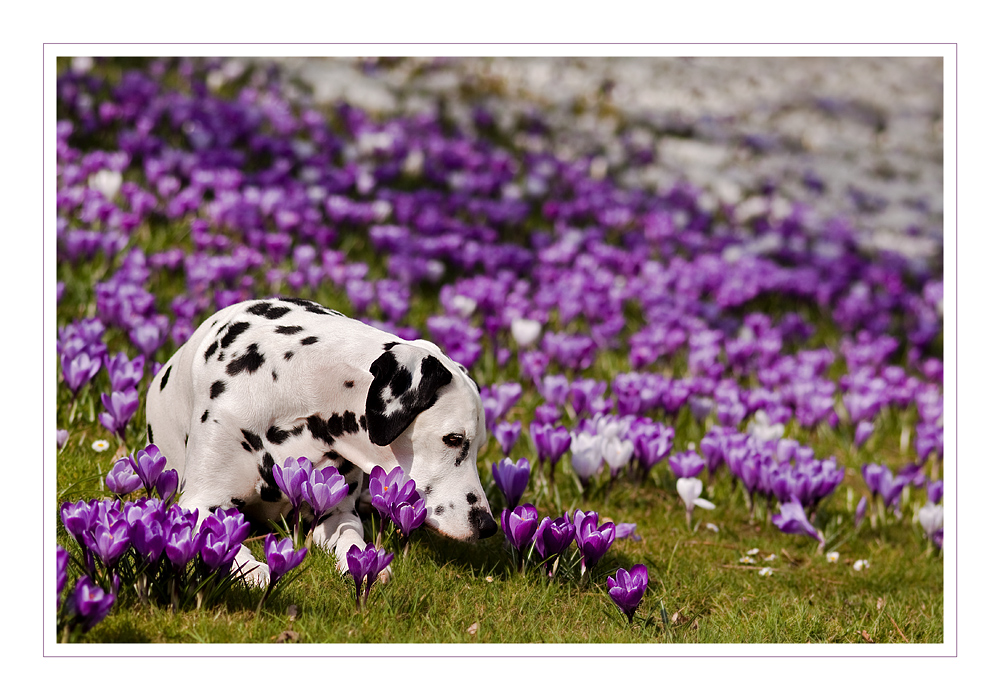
x=427 y=410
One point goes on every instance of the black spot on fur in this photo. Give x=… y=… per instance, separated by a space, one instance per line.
x=185 y=440
x=363 y=423
x=163 y=382
x=452 y=506
x=310 y=340
x=249 y=362
x=276 y=435
x=439 y=510
x=389 y=346
x=428 y=490
x=268 y=310
x=348 y=384
x=350 y=423
x=211 y=349
x=274 y=375
x=238 y=502
x=311 y=306
x=465 y=453
x=204 y=416
x=319 y=429
x=217 y=388
x=352 y=488
x=335 y=425
x=471 y=498
x=297 y=430
x=289 y=355
x=333 y=457
x=247 y=447
x=269 y=490
x=222 y=356
x=149 y=432
x=288 y=330
x=254 y=440
x=401 y=381
x=233 y=333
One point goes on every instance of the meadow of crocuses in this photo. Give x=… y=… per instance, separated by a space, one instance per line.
x=707 y=425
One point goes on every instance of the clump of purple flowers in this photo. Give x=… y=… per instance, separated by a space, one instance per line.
x=364 y=566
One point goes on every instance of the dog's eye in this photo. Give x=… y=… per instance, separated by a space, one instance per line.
x=453 y=440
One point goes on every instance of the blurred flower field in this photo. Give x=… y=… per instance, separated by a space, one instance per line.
x=711 y=420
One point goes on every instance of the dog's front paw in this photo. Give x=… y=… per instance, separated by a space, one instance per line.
x=255 y=573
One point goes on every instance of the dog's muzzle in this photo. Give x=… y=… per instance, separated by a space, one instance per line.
x=482 y=523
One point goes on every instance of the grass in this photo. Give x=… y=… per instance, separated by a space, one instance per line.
x=699 y=591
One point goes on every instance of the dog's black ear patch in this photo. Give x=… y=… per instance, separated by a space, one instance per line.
x=387 y=414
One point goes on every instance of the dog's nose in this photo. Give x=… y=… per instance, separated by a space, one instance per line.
x=483 y=522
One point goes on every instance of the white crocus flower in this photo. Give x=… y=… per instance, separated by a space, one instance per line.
x=832 y=557
x=525 y=331
x=689 y=489
x=100 y=445
x=585 y=455
x=760 y=427
x=463 y=305
x=107 y=182
x=616 y=452
x=931 y=517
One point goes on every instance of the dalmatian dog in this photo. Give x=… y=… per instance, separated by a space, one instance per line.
x=264 y=380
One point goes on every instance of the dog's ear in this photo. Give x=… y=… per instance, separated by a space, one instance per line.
x=405 y=382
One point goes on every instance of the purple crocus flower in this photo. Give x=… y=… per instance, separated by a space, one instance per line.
x=323 y=490
x=592 y=539
x=552 y=537
x=519 y=526
x=291 y=478
x=149 y=464
x=166 y=484
x=507 y=434
x=626 y=531
x=182 y=540
x=108 y=538
x=512 y=478
x=123 y=372
x=390 y=488
x=792 y=520
x=281 y=556
x=407 y=517
x=881 y=481
x=626 y=588
x=653 y=445
x=935 y=490
x=122 y=478
x=863 y=432
x=91 y=603
x=148 y=534
x=686 y=465
x=79 y=370
x=121 y=406
x=859 y=512
x=222 y=535
x=551 y=442
x=78 y=518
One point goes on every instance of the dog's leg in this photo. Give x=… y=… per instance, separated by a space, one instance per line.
x=209 y=487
